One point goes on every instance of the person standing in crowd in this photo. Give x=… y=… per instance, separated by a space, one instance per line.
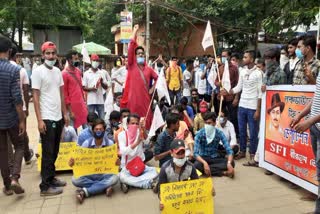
x=235 y=59
x=73 y=91
x=137 y=82
x=118 y=76
x=132 y=157
x=94 y=81
x=312 y=123
x=307 y=68
x=94 y=184
x=162 y=146
x=174 y=78
x=231 y=101
x=250 y=82
x=274 y=75
x=187 y=80
x=47 y=85
x=199 y=83
x=24 y=86
x=289 y=68
x=206 y=67
x=284 y=59
x=208 y=159
x=12 y=119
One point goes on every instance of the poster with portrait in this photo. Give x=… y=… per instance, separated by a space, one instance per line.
x=282 y=150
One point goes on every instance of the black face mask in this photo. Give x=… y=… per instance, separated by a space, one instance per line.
x=76 y=63
x=160 y=65
x=115 y=125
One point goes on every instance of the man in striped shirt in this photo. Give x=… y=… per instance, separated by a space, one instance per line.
x=313 y=122
x=11 y=119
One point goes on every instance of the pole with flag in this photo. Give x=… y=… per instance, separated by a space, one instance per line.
x=157 y=122
x=85 y=55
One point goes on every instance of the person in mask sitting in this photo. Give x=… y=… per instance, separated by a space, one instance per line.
x=87 y=133
x=178 y=168
x=198 y=120
x=114 y=122
x=90 y=185
x=228 y=130
x=69 y=134
x=133 y=170
x=206 y=150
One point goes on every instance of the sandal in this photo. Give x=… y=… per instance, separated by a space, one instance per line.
x=80 y=195
x=252 y=163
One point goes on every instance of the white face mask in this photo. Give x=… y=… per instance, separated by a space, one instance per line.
x=179 y=162
x=50 y=63
x=95 y=64
x=210 y=133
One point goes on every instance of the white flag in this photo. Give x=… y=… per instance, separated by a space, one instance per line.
x=226 y=77
x=157 y=122
x=85 y=55
x=212 y=76
x=207 y=40
x=108 y=104
x=162 y=88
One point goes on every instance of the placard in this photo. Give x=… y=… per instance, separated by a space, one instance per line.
x=65 y=153
x=283 y=151
x=95 y=161
x=187 y=197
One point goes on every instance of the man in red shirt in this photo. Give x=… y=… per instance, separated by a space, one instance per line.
x=136 y=95
x=73 y=92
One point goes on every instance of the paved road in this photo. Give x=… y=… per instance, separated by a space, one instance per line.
x=249 y=192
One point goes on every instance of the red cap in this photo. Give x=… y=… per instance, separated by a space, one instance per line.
x=203 y=106
x=48 y=45
x=94 y=57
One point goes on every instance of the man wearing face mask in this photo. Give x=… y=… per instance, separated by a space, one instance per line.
x=293 y=60
x=73 y=91
x=206 y=150
x=308 y=67
x=48 y=96
x=274 y=75
x=90 y=185
x=137 y=92
x=94 y=81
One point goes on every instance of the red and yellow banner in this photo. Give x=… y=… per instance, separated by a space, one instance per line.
x=284 y=148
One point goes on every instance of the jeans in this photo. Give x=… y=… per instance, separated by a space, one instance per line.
x=175 y=94
x=50 y=142
x=99 y=108
x=245 y=116
x=17 y=142
x=95 y=184
x=315 y=142
x=143 y=181
x=217 y=165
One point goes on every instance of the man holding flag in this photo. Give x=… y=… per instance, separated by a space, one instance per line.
x=136 y=95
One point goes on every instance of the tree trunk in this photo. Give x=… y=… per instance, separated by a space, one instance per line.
x=187 y=41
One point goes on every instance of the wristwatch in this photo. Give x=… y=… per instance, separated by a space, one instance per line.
x=229 y=162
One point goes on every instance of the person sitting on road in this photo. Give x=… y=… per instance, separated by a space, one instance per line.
x=69 y=134
x=133 y=170
x=206 y=150
x=178 y=168
x=87 y=133
x=94 y=184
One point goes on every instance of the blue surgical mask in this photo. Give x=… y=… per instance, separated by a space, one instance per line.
x=299 y=53
x=140 y=60
x=210 y=133
x=223 y=60
x=98 y=134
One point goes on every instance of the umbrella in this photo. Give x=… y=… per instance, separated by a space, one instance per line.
x=93 y=48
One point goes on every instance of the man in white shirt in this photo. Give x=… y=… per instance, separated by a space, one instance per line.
x=47 y=85
x=187 y=80
x=118 y=76
x=250 y=82
x=131 y=148
x=24 y=86
x=93 y=82
x=199 y=83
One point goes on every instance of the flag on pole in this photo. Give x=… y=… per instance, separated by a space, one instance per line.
x=207 y=40
x=212 y=76
x=157 y=122
x=108 y=104
x=85 y=55
x=162 y=88
x=226 y=77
